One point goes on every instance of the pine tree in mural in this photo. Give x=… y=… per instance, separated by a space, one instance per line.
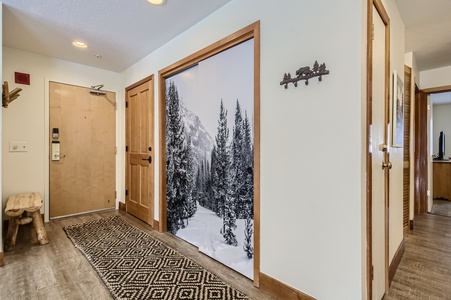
x=221 y=179
x=209 y=192
x=248 y=198
x=237 y=169
x=191 y=205
x=248 y=164
x=248 y=231
x=176 y=162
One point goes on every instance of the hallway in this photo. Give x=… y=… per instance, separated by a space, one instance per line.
x=425 y=269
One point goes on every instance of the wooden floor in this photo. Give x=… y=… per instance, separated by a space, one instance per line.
x=425 y=269
x=59 y=271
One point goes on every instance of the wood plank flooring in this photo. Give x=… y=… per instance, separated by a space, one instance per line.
x=425 y=269
x=59 y=271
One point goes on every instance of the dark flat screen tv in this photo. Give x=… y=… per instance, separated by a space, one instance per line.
x=441 y=145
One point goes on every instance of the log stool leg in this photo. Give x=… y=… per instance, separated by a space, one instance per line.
x=39 y=227
x=11 y=235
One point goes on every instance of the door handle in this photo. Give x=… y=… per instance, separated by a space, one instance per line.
x=387 y=165
x=149 y=159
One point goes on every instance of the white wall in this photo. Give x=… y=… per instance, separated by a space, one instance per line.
x=435 y=78
x=27 y=118
x=410 y=61
x=312 y=137
x=396 y=154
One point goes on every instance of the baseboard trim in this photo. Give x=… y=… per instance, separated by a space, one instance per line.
x=122 y=206
x=396 y=260
x=280 y=290
x=156 y=225
x=2 y=262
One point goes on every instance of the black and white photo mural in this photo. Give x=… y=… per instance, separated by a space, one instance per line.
x=210 y=156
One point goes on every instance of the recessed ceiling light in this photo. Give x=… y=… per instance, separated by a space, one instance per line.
x=157 y=2
x=79 y=44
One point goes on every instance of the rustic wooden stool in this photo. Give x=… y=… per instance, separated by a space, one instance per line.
x=29 y=203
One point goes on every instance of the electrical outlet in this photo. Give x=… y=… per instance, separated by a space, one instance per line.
x=18 y=147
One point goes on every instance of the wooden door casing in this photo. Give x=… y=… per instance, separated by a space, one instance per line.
x=84 y=179
x=139 y=150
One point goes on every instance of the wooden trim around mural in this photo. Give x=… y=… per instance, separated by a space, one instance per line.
x=280 y=290
x=247 y=33
x=122 y=206
x=396 y=260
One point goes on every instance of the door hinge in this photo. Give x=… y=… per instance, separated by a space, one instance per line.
x=115 y=194
x=126 y=148
x=372 y=32
x=372 y=272
x=126 y=192
x=126 y=104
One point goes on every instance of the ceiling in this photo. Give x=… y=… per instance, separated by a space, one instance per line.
x=428 y=31
x=123 y=32
x=118 y=32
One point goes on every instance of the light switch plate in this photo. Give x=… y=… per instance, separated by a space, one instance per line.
x=18 y=147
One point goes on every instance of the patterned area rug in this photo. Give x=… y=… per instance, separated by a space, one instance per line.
x=134 y=265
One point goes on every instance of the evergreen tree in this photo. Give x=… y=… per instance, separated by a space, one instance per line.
x=191 y=206
x=238 y=170
x=248 y=162
x=248 y=231
x=221 y=180
x=248 y=199
x=176 y=162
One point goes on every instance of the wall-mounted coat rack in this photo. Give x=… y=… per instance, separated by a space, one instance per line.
x=7 y=96
x=305 y=73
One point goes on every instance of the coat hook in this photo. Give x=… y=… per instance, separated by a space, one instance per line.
x=305 y=73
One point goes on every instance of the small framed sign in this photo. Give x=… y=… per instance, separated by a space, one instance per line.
x=22 y=78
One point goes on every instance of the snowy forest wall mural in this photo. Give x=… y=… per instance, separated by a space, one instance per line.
x=210 y=156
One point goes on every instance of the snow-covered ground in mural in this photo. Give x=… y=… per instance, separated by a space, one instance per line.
x=203 y=231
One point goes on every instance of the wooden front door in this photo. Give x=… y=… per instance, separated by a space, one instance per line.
x=139 y=149
x=83 y=171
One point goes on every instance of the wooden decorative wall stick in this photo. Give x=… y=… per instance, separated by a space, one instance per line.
x=7 y=96
x=305 y=73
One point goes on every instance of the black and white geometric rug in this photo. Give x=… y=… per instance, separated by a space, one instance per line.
x=134 y=265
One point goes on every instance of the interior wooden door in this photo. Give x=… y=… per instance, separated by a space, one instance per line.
x=83 y=173
x=421 y=154
x=379 y=150
x=139 y=136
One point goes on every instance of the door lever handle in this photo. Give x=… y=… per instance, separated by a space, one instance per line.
x=148 y=159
